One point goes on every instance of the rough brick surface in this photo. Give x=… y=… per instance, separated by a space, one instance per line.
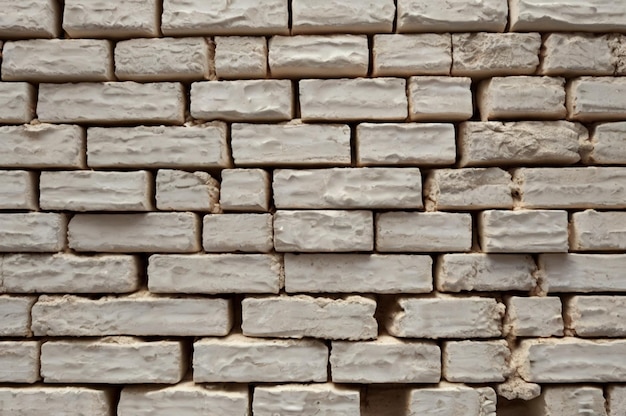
x=15 y=314
x=456 y=16
x=34 y=232
x=30 y=19
x=62 y=401
x=440 y=98
x=417 y=54
x=370 y=16
x=19 y=361
x=298 y=399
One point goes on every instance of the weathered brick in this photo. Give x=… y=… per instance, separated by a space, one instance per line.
x=583 y=272
x=596 y=99
x=115 y=360
x=18 y=190
x=245 y=190
x=164 y=59
x=607 y=141
x=57 y=60
x=60 y=401
x=352 y=16
x=476 y=361
x=456 y=16
x=252 y=233
x=242 y=360
x=569 y=54
x=616 y=397
x=386 y=360
x=570 y=400
x=32 y=232
x=14 y=314
x=423 y=231
x=447 y=317
x=368 y=188
x=523 y=231
x=19 y=362
x=177 y=190
x=112 y=102
x=303 y=399
x=95 y=191
x=17 y=102
x=410 y=144
x=594 y=231
x=30 y=19
x=446 y=397
x=240 y=57
x=440 y=98
x=150 y=232
x=406 y=55
x=596 y=316
x=323 y=231
x=533 y=317
x=215 y=273
x=347 y=273
x=290 y=144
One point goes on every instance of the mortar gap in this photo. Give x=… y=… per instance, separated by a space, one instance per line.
x=370 y=47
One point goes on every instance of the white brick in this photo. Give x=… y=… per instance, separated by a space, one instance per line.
x=151 y=232
x=17 y=102
x=476 y=362
x=245 y=190
x=240 y=57
x=19 y=362
x=112 y=102
x=323 y=231
x=407 y=55
x=184 y=399
x=215 y=273
x=423 y=231
x=331 y=56
x=252 y=233
x=351 y=16
x=386 y=360
x=405 y=144
x=353 y=99
x=567 y=15
x=520 y=143
x=455 y=15
x=571 y=360
x=495 y=54
x=96 y=191
x=447 y=317
x=594 y=231
x=533 y=317
x=235 y=17
x=60 y=401
x=596 y=316
x=607 y=140
x=306 y=400
x=454 y=400
x=18 y=190
x=30 y=19
x=14 y=314
x=576 y=54
x=522 y=97
x=348 y=188
x=349 y=273
x=583 y=272
x=164 y=59
x=616 y=397
x=42 y=146
x=198 y=146
x=473 y=188
x=440 y=98
x=116 y=360
x=242 y=360
x=570 y=400
x=351 y=318
x=103 y=19
x=596 y=98
x=68 y=273
x=57 y=60
x=585 y=187
x=523 y=231
x=177 y=190
x=485 y=272
x=290 y=144
x=255 y=100
x=33 y=232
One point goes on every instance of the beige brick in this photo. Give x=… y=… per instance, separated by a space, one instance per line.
x=116 y=360
x=334 y=16
x=17 y=102
x=323 y=231
x=57 y=60
x=240 y=359
x=18 y=190
x=583 y=272
x=60 y=401
x=306 y=399
x=252 y=233
x=495 y=54
x=570 y=400
x=151 y=232
x=521 y=97
x=255 y=100
x=476 y=361
x=112 y=102
x=598 y=231
x=616 y=397
x=14 y=314
x=406 y=55
x=457 y=16
x=523 y=231
x=96 y=191
x=290 y=144
x=569 y=54
x=607 y=140
x=164 y=59
x=596 y=99
x=177 y=190
x=596 y=316
x=198 y=146
x=215 y=273
x=410 y=144
x=365 y=273
x=245 y=190
x=103 y=19
x=69 y=273
x=240 y=57
x=30 y=19
x=423 y=231
x=533 y=317
x=32 y=232
x=19 y=362
x=440 y=98
x=386 y=360
x=445 y=397
x=367 y=188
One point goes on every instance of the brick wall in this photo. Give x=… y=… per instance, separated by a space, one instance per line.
x=313 y=207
